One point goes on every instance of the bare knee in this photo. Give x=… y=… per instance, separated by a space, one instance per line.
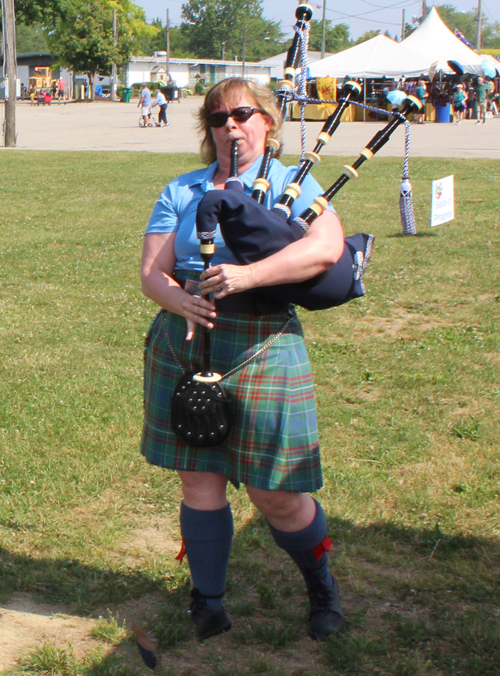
x=204 y=490
x=286 y=510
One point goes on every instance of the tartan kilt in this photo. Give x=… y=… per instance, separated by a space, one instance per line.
x=273 y=442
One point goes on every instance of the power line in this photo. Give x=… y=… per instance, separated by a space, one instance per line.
x=372 y=4
x=397 y=5
x=488 y=12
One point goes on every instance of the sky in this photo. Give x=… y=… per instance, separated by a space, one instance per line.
x=362 y=15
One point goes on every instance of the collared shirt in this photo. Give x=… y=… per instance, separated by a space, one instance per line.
x=146 y=97
x=175 y=210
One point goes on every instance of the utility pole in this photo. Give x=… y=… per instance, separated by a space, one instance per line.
x=479 y=21
x=168 y=48
x=9 y=31
x=323 y=32
x=113 y=66
x=403 y=26
x=424 y=9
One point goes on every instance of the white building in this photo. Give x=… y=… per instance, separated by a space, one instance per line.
x=187 y=72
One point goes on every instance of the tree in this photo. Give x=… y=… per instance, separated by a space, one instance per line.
x=30 y=39
x=213 y=26
x=179 y=41
x=80 y=32
x=367 y=35
x=337 y=38
x=42 y=12
x=466 y=22
x=409 y=29
x=84 y=41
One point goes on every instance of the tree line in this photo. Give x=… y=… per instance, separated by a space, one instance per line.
x=80 y=32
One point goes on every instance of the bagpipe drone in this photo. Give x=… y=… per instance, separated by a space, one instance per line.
x=252 y=232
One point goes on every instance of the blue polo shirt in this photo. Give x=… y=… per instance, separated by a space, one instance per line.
x=146 y=97
x=175 y=210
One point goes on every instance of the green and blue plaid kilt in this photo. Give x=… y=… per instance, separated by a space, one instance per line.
x=273 y=442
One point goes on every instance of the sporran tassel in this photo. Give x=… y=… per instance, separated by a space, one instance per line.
x=405 y=198
x=406 y=208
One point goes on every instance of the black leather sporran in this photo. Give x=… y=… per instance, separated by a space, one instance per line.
x=199 y=412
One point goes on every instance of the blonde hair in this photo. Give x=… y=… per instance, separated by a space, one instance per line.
x=227 y=90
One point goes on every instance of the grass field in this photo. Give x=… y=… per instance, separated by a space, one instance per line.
x=408 y=391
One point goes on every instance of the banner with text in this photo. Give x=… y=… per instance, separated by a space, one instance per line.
x=443 y=201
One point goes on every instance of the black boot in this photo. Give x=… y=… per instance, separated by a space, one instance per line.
x=326 y=616
x=209 y=622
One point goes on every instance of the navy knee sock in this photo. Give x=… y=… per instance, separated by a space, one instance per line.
x=208 y=536
x=308 y=547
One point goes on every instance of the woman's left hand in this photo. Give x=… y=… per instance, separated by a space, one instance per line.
x=222 y=280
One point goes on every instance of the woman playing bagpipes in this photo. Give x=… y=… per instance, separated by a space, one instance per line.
x=272 y=446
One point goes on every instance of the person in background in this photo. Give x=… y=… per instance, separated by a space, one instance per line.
x=482 y=89
x=145 y=105
x=161 y=101
x=421 y=94
x=459 y=103
x=61 y=89
x=32 y=95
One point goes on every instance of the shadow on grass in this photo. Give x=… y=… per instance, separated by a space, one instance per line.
x=401 y=235
x=405 y=589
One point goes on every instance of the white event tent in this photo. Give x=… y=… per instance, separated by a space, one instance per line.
x=432 y=45
x=439 y=44
x=277 y=63
x=378 y=57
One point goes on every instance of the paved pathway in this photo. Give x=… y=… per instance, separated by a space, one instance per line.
x=107 y=125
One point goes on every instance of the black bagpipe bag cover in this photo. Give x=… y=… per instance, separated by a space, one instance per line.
x=252 y=232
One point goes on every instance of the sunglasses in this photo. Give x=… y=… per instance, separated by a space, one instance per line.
x=242 y=114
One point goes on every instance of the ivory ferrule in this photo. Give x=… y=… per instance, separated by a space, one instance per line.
x=207 y=248
x=415 y=101
x=274 y=144
x=313 y=157
x=319 y=205
x=367 y=153
x=212 y=378
x=355 y=85
x=261 y=184
x=293 y=189
x=349 y=171
x=289 y=71
x=323 y=137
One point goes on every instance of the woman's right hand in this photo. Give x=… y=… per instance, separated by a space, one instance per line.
x=158 y=263
x=197 y=310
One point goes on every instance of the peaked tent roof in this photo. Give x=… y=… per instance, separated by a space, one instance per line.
x=378 y=57
x=277 y=62
x=439 y=44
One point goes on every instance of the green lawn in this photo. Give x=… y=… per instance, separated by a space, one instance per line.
x=408 y=391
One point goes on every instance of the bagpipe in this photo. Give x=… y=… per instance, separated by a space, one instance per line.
x=252 y=232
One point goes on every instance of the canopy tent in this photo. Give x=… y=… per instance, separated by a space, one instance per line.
x=440 y=45
x=492 y=61
x=277 y=63
x=378 y=57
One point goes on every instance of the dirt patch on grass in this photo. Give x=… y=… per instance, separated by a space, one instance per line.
x=155 y=535
x=402 y=324
x=26 y=625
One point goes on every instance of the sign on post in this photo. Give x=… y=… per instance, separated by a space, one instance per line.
x=443 y=201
